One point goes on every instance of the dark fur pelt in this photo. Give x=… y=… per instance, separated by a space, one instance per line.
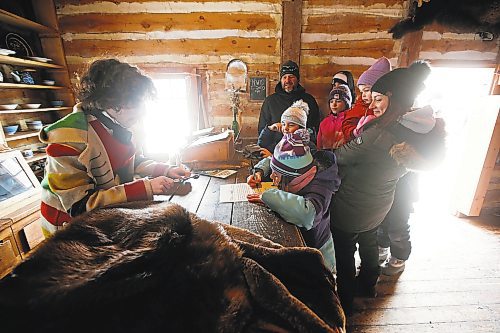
x=466 y=16
x=156 y=268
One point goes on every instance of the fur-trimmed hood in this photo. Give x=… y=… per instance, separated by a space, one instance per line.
x=156 y=268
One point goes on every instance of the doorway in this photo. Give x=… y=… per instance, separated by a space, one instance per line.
x=456 y=95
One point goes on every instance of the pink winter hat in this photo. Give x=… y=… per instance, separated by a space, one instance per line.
x=372 y=74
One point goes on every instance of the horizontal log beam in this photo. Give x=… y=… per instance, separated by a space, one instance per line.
x=96 y=48
x=141 y=22
x=348 y=23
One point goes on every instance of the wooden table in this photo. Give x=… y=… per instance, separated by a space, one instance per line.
x=203 y=200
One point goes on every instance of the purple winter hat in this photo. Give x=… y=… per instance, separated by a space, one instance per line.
x=372 y=74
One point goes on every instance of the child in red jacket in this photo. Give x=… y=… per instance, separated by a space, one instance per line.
x=361 y=108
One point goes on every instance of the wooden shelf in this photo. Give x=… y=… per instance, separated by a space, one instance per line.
x=36 y=157
x=11 y=60
x=35 y=110
x=21 y=22
x=27 y=86
x=21 y=135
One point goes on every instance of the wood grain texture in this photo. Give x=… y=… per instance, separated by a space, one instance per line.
x=290 y=44
x=140 y=22
x=449 y=45
x=84 y=2
x=347 y=23
x=360 y=3
x=89 y=48
x=449 y=284
x=364 y=48
x=210 y=208
x=410 y=48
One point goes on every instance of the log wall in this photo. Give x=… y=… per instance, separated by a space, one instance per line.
x=202 y=36
x=199 y=36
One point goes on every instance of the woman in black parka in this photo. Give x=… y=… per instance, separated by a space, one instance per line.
x=398 y=139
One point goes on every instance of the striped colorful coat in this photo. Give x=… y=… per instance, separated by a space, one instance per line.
x=88 y=168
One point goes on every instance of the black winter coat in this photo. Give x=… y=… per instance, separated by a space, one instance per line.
x=275 y=104
x=370 y=166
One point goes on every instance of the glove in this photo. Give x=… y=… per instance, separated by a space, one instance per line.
x=362 y=121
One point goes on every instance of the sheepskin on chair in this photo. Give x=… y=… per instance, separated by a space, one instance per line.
x=466 y=16
x=145 y=267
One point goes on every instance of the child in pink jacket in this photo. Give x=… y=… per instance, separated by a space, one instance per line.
x=330 y=134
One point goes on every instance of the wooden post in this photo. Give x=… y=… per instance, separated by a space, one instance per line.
x=411 y=42
x=291 y=30
x=410 y=48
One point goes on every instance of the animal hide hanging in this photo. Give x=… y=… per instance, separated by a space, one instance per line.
x=145 y=267
x=463 y=16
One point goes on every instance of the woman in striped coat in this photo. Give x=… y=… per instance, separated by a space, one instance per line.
x=91 y=160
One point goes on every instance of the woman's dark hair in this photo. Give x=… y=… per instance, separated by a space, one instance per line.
x=402 y=86
x=111 y=84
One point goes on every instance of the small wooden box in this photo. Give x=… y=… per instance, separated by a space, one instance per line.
x=218 y=147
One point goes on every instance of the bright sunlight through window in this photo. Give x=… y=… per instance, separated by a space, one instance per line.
x=452 y=93
x=167 y=122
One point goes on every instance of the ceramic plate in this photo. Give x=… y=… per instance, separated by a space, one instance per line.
x=40 y=59
x=6 y=52
x=30 y=105
x=17 y=43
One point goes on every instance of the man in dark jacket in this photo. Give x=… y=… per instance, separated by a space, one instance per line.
x=287 y=91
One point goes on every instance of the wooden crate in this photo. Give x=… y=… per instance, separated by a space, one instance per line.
x=218 y=147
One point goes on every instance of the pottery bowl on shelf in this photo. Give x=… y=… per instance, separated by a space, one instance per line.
x=57 y=103
x=30 y=106
x=27 y=153
x=49 y=82
x=8 y=106
x=11 y=129
x=34 y=125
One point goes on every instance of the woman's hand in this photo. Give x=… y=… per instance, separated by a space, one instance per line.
x=255 y=198
x=276 y=127
x=161 y=184
x=253 y=181
x=265 y=153
x=178 y=172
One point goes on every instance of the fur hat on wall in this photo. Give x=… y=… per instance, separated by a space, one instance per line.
x=403 y=85
x=290 y=67
x=297 y=113
x=372 y=74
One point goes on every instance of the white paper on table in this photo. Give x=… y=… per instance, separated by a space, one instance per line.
x=235 y=192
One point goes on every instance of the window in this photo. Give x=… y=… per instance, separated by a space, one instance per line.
x=173 y=116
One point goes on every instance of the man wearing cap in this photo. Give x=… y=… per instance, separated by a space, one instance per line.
x=287 y=91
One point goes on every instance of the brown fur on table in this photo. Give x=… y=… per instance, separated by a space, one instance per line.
x=156 y=268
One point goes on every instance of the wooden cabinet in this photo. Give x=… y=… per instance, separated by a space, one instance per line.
x=20 y=234
x=45 y=42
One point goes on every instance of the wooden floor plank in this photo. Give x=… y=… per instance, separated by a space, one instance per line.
x=451 y=282
x=425 y=315
x=475 y=327
x=430 y=299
